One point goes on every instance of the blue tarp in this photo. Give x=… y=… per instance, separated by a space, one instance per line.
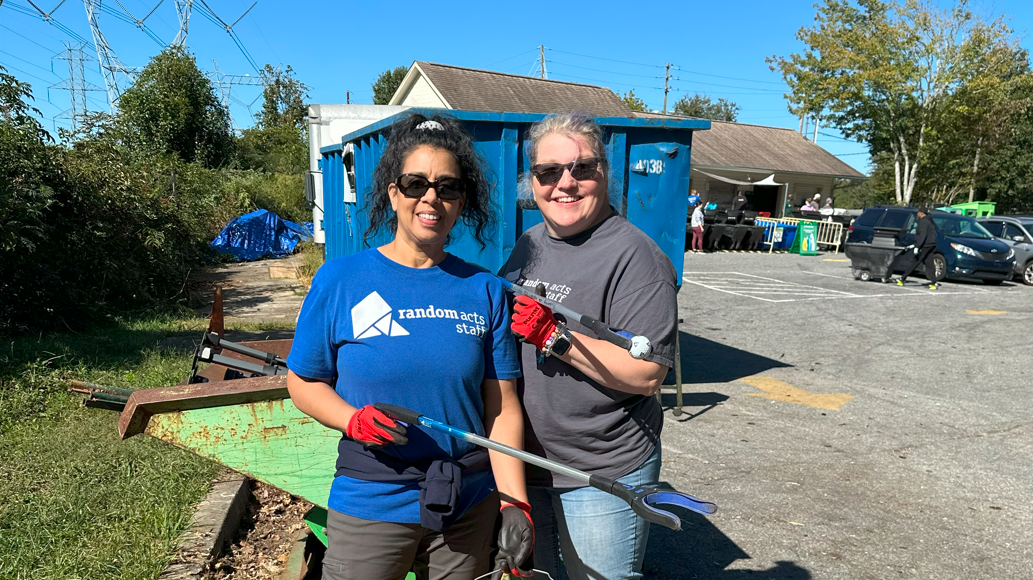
x=261 y=233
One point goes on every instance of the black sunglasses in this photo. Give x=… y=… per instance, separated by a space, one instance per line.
x=415 y=186
x=580 y=169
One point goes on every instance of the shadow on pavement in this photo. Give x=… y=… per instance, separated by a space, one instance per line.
x=705 y=361
x=701 y=551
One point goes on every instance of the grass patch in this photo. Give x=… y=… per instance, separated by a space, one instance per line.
x=75 y=501
x=311 y=258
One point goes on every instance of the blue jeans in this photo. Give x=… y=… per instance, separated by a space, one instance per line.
x=591 y=534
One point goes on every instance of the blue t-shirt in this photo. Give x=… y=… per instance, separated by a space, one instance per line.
x=422 y=338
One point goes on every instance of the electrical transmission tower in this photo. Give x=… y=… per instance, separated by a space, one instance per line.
x=110 y=66
x=183 y=8
x=76 y=84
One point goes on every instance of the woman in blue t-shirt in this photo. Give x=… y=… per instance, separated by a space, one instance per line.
x=409 y=324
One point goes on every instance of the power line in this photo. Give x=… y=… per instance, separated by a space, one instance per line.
x=607 y=82
x=721 y=93
x=48 y=18
x=29 y=63
x=255 y=22
x=759 y=91
x=26 y=38
x=837 y=137
x=7 y=66
x=607 y=71
x=25 y=26
x=510 y=58
x=845 y=154
x=603 y=58
x=728 y=78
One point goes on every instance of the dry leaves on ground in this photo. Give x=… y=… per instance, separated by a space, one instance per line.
x=263 y=546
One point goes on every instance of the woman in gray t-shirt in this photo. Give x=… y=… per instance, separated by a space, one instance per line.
x=587 y=403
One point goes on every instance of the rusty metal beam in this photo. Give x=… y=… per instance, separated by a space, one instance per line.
x=145 y=403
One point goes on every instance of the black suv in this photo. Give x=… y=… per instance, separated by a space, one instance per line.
x=965 y=250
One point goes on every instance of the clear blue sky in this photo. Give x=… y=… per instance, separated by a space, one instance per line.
x=336 y=46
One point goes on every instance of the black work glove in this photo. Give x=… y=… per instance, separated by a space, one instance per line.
x=516 y=541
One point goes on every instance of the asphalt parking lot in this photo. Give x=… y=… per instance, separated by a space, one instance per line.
x=848 y=429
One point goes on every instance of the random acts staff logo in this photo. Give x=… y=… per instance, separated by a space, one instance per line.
x=372 y=317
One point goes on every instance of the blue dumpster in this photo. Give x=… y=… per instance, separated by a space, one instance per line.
x=649 y=180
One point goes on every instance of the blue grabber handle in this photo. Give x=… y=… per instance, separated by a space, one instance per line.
x=644 y=498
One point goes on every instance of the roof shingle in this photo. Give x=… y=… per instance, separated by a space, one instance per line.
x=734 y=145
x=481 y=90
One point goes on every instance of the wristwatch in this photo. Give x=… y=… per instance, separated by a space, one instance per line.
x=561 y=343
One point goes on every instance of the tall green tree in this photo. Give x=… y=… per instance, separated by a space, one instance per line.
x=634 y=103
x=882 y=71
x=283 y=99
x=704 y=107
x=172 y=108
x=278 y=142
x=387 y=83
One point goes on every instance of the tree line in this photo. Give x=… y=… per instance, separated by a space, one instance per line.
x=120 y=211
x=940 y=96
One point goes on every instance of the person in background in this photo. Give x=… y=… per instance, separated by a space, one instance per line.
x=740 y=202
x=383 y=325
x=924 y=249
x=787 y=211
x=807 y=206
x=588 y=403
x=827 y=209
x=697 y=227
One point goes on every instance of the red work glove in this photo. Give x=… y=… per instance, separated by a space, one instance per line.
x=516 y=541
x=374 y=429
x=532 y=322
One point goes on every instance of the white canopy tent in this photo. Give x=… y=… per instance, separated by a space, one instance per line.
x=769 y=180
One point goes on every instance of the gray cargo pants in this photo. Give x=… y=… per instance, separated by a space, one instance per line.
x=370 y=550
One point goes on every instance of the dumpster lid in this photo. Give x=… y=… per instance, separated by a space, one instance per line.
x=504 y=117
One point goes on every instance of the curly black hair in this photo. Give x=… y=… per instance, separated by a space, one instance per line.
x=404 y=137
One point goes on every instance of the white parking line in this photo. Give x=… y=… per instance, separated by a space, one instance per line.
x=771 y=289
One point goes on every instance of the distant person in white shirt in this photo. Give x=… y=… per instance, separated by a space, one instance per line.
x=697 y=227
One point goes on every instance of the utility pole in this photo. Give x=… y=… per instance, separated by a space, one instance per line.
x=541 y=61
x=667 y=88
x=815 y=138
x=801 y=124
x=348 y=97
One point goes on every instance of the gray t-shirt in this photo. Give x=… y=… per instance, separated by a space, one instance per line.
x=614 y=273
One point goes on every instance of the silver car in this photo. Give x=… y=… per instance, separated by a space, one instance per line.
x=1017 y=232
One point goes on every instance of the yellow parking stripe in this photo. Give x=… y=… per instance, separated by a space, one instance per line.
x=986 y=312
x=777 y=390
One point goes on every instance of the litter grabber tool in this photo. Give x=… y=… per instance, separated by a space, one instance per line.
x=637 y=346
x=643 y=499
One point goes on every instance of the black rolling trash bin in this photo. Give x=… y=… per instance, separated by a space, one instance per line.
x=873 y=262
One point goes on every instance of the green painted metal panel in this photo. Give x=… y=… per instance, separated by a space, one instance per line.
x=271 y=441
